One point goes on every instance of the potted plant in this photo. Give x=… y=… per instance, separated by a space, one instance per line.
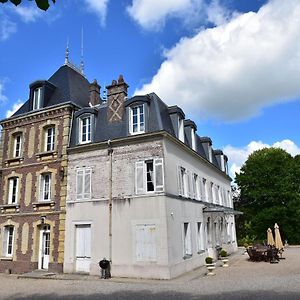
x=210 y=266
x=224 y=258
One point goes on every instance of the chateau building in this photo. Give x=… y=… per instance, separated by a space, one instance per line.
x=144 y=190
x=127 y=179
x=33 y=173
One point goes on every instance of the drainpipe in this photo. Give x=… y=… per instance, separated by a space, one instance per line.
x=110 y=152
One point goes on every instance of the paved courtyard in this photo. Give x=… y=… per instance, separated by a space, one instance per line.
x=242 y=280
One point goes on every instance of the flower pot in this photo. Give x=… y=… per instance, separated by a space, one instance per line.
x=210 y=268
x=225 y=262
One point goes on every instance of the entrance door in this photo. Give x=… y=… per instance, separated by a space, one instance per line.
x=44 y=247
x=83 y=248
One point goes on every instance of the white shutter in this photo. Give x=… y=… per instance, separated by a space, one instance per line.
x=87 y=184
x=79 y=184
x=159 y=175
x=80 y=241
x=180 y=181
x=139 y=241
x=194 y=185
x=5 y=238
x=189 y=185
x=145 y=238
x=139 y=177
x=10 y=190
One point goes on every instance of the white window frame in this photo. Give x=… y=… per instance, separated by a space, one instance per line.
x=181 y=130
x=83 y=195
x=8 y=241
x=200 y=237
x=193 y=133
x=49 y=135
x=18 y=145
x=37 y=98
x=45 y=183
x=140 y=123
x=183 y=182
x=141 y=176
x=13 y=190
x=204 y=183
x=85 y=130
x=187 y=239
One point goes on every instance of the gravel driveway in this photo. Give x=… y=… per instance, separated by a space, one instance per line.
x=242 y=280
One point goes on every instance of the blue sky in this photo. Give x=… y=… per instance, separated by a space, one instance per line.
x=232 y=65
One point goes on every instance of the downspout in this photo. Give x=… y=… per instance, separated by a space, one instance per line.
x=110 y=152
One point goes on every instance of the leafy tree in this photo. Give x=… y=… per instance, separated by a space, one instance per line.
x=42 y=4
x=269 y=184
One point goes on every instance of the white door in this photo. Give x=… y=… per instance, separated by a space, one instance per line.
x=44 y=247
x=83 y=248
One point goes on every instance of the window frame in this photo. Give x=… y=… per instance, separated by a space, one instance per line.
x=37 y=98
x=13 y=190
x=52 y=138
x=17 y=151
x=8 y=241
x=187 y=239
x=131 y=115
x=83 y=195
x=88 y=132
x=200 y=237
x=43 y=187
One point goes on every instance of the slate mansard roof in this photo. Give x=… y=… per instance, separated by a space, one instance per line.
x=68 y=85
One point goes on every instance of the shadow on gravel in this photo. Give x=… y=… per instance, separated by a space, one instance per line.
x=147 y=295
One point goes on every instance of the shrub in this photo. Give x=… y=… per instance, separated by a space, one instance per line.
x=223 y=253
x=209 y=260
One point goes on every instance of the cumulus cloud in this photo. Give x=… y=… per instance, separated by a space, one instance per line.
x=7 y=27
x=237 y=156
x=28 y=13
x=3 y=98
x=14 y=108
x=233 y=70
x=98 y=7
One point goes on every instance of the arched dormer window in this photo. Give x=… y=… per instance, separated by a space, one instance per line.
x=86 y=124
x=137 y=112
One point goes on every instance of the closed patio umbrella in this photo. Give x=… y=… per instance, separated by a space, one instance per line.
x=270 y=239
x=278 y=241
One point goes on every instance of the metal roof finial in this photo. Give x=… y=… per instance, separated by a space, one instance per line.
x=81 y=62
x=67 y=53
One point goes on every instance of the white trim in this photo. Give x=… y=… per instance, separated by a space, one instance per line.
x=139 y=130
x=37 y=98
x=88 y=128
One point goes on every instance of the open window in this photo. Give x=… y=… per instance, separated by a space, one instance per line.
x=13 y=190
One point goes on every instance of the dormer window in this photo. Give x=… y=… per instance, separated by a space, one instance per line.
x=193 y=139
x=210 y=153
x=137 y=119
x=37 y=98
x=181 y=130
x=85 y=130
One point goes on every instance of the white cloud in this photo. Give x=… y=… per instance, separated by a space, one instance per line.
x=217 y=14
x=233 y=70
x=99 y=7
x=237 y=156
x=3 y=98
x=14 y=108
x=7 y=27
x=28 y=13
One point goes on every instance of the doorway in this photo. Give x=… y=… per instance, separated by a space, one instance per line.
x=83 y=248
x=44 y=252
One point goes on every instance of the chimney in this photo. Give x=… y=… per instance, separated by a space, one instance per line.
x=116 y=93
x=95 y=98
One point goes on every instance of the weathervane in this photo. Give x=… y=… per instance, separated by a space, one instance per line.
x=81 y=62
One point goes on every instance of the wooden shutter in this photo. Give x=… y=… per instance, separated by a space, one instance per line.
x=79 y=184
x=159 y=175
x=140 y=177
x=87 y=183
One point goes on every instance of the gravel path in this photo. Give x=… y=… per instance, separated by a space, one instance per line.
x=242 y=280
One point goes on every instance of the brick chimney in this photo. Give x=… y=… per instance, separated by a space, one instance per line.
x=116 y=93
x=95 y=93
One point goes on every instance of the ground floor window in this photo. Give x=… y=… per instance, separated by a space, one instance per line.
x=8 y=238
x=187 y=239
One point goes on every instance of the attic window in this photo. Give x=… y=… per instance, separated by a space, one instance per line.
x=181 y=130
x=193 y=139
x=137 y=119
x=85 y=130
x=37 y=98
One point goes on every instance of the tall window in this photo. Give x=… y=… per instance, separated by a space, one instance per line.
x=205 y=189
x=187 y=239
x=182 y=182
x=13 y=184
x=45 y=191
x=195 y=187
x=181 y=130
x=49 y=138
x=194 y=147
x=85 y=130
x=83 y=184
x=8 y=238
x=17 y=145
x=37 y=98
x=149 y=176
x=200 y=239
x=137 y=119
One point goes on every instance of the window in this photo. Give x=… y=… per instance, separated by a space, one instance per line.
x=182 y=182
x=49 y=138
x=145 y=239
x=149 y=176
x=208 y=232
x=209 y=153
x=85 y=130
x=205 y=189
x=187 y=239
x=230 y=204
x=83 y=184
x=45 y=189
x=13 y=185
x=181 y=130
x=17 y=145
x=137 y=119
x=195 y=187
x=200 y=240
x=8 y=238
x=193 y=139
x=37 y=98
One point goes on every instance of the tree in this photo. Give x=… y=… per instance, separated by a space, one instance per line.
x=269 y=184
x=42 y=4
